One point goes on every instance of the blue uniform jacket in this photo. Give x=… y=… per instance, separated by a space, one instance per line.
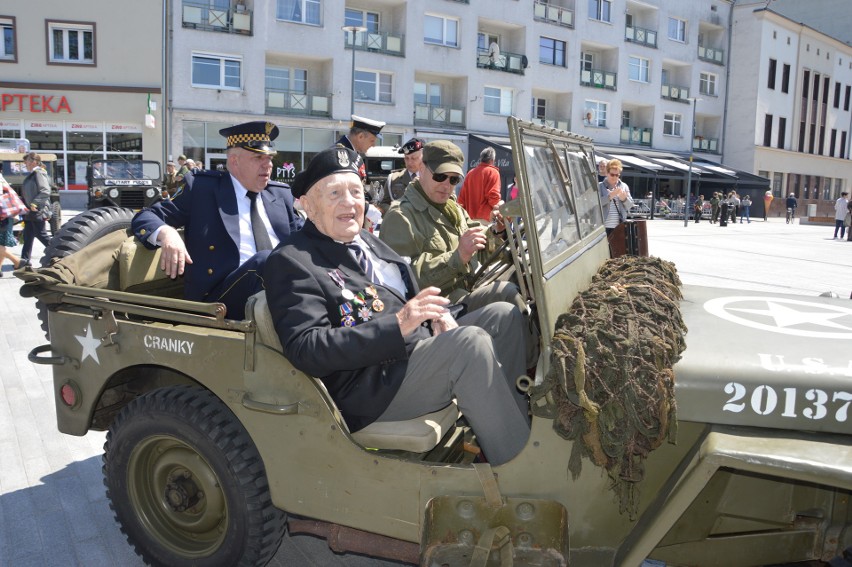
x=207 y=210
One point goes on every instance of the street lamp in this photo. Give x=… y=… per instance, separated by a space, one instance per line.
x=353 y=30
x=689 y=174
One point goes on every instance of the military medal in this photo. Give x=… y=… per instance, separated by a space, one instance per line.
x=365 y=314
x=377 y=303
x=346 y=318
x=347 y=294
x=378 y=306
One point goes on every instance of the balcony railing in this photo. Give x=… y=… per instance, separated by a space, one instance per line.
x=674 y=92
x=702 y=144
x=553 y=14
x=505 y=61
x=461 y=1
x=293 y=102
x=599 y=78
x=711 y=54
x=203 y=17
x=636 y=136
x=381 y=42
x=641 y=36
x=558 y=123
x=438 y=115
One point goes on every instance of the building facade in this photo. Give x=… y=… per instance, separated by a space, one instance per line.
x=78 y=82
x=790 y=110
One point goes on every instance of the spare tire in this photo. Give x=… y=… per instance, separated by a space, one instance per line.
x=77 y=233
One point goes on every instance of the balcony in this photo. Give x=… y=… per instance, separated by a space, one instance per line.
x=378 y=42
x=674 y=92
x=201 y=16
x=641 y=36
x=558 y=15
x=636 y=136
x=599 y=79
x=711 y=54
x=505 y=61
x=297 y=103
x=702 y=144
x=438 y=115
x=558 y=123
x=461 y=1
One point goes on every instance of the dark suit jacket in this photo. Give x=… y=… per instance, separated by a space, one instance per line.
x=361 y=366
x=344 y=141
x=207 y=210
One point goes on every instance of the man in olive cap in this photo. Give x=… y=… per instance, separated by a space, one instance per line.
x=348 y=311
x=228 y=231
x=428 y=226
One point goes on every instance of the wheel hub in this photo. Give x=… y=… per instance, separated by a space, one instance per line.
x=181 y=492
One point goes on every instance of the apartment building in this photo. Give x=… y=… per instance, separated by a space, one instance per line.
x=624 y=72
x=790 y=110
x=76 y=80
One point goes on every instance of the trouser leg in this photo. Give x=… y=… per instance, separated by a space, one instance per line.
x=239 y=285
x=28 y=237
x=461 y=364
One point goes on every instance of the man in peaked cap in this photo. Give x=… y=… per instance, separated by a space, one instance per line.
x=398 y=180
x=228 y=231
x=362 y=134
x=444 y=244
x=348 y=310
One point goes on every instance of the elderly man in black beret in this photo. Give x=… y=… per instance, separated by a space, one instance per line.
x=348 y=310
x=228 y=231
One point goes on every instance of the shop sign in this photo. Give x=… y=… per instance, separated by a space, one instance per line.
x=10 y=124
x=43 y=125
x=11 y=102
x=121 y=128
x=86 y=126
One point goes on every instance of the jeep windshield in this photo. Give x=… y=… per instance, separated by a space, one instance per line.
x=108 y=172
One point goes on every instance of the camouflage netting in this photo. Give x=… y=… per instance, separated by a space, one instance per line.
x=612 y=359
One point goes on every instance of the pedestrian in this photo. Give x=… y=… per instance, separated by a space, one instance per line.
x=698 y=208
x=7 y=236
x=714 y=207
x=767 y=202
x=745 y=206
x=840 y=206
x=733 y=205
x=481 y=190
x=792 y=204
x=35 y=191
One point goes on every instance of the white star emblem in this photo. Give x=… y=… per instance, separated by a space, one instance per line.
x=90 y=345
x=785 y=316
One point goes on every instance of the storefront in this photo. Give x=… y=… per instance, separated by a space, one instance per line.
x=79 y=126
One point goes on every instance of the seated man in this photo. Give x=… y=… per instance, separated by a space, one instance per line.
x=347 y=310
x=399 y=180
x=228 y=231
x=428 y=226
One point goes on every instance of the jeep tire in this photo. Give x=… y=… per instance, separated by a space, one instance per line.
x=187 y=484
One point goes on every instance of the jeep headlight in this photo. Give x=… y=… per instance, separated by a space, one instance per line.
x=113 y=193
x=150 y=193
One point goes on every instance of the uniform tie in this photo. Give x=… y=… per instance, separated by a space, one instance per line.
x=363 y=260
x=261 y=236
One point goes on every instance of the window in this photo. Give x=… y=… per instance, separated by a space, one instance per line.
x=595 y=113
x=498 y=101
x=785 y=78
x=672 y=123
x=551 y=51
x=833 y=142
x=441 y=30
x=638 y=69
x=360 y=18
x=782 y=131
x=677 y=29
x=767 y=131
x=373 y=86
x=216 y=71
x=625 y=118
x=299 y=11
x=539 y=108
x=772 y=68
x=707 y=84
x=8 y=47
x=285 y=79
x=846 y=99
x=587 y=61
x=484 y=40
x=836 y=95
x=600 y=10
x=427 y=93
x=71 y=42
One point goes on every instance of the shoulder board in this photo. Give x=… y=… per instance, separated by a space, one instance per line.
x=278 y=184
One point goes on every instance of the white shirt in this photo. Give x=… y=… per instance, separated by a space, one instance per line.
x=840 y=208
x=246 y=243
x=387 y=273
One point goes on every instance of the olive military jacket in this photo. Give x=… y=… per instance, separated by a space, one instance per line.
x=414 y=229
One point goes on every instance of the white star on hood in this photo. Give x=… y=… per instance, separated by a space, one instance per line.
x=786 y=317
x=90 y=345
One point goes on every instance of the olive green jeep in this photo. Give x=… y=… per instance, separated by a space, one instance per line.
x=217 y=444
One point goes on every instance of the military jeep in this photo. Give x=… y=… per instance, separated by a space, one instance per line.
x=129 y=183
x=216 y=443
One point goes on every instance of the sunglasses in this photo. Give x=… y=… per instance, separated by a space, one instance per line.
x=441 y=177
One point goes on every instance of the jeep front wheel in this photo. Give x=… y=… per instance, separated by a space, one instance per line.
x=187 y=484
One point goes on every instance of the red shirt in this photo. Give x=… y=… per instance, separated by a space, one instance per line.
x=481 y=191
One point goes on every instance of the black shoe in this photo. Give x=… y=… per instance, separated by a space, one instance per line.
x=24 y=264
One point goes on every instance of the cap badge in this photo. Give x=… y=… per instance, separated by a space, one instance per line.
x=269 y=127
x=342 y=158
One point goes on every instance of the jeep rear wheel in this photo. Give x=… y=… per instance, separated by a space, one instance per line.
x=187 y=484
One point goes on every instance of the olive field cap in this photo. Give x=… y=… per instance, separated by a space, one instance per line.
x=443 y=156
x=372 y=126
x=181 y=157
x=411 y=146
x=336 y=159
x=170 y=163
x=252 y=136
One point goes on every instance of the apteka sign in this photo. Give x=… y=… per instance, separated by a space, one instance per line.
x=36 y=103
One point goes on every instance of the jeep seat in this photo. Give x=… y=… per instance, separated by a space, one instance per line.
x=139 y=271
x=418 y=435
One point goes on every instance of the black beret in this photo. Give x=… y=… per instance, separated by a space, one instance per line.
x=337 y=159
x=252 y=136
x=412 y=145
